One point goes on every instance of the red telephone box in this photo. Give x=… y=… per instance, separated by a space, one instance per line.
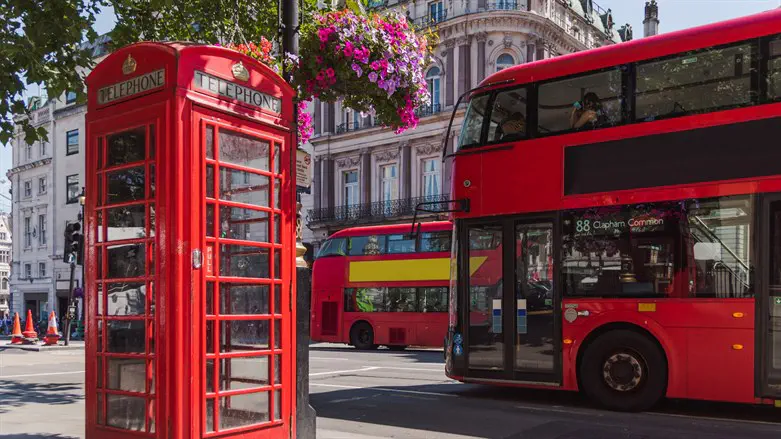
x=190 y=246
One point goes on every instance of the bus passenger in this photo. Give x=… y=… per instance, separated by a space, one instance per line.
x=588 y=114
x=513 y=127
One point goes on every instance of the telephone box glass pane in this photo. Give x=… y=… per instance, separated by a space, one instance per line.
x=244 y=187
x=277 y=405
x=277 y=264
x=209 y=376
x=277 y=333
x=243 y=224
x=101 y=418
x=243 y=150
x=277 y=369
x=100 y=373
x=244 y=335
x=276 y=158
x=126 y=412
x=126 y=336
x=244 y=299
x=100 y=298
x=209 y=142
x=126 y=261
x=210 y=298
x=243 y=410
x=277 y=299
x=277 y=229
x=126 y=147
x=210 y=181
x=152 y=180
x=152 y=139
x=128 y=222
x=126 y=185
x=128 y=374
x=210 y=220
x=244 y=372
x=126 y=299
x=244 y=261
x=209 y=415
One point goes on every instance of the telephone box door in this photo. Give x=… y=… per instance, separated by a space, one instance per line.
x=121 y=388
x=245 y=276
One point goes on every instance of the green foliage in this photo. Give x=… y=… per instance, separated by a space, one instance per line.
x=40 y=44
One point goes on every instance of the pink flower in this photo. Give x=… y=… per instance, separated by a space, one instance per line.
x=348 y=49
x=330 y=72
x=319 y=59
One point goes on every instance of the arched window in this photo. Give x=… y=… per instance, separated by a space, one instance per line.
x=504 y=61
x=433 y=79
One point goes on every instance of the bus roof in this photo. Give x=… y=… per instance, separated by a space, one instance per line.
x=390 y=229
x=715 y=34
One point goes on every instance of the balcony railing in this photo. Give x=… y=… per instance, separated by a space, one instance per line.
x=371 y=212
x=355 y=126
x=430 y=19
x=428 y=110
x=507 y=5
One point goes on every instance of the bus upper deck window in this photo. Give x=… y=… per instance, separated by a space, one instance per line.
x=333 y=247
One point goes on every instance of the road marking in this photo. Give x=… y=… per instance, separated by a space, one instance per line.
x=329 y=359
x=339 y=372
x=41 y=374
x=414 y=369
x=383 y=389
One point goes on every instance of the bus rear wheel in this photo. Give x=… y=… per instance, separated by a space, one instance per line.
x=362 y=336
x=624 y=371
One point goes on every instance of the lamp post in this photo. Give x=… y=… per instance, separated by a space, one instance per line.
x=69 y=255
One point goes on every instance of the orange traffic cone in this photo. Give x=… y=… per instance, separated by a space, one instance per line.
x=29 y=330
x=16 y=333
x=52 y=334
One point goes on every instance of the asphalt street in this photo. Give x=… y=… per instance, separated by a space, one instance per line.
x=386 y=394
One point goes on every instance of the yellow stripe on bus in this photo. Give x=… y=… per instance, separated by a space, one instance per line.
x=407 y=269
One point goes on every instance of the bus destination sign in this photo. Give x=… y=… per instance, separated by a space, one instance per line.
x=617 y=223
x=231 y=90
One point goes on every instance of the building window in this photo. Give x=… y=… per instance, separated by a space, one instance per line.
x=28 y=237
x=41 y=185
x=72 y=188
x=351 y=195
x=504 y=61
x=28 y=188
x=389 y=182
x=72 y=142
x=42 y=229
x=28 y=151
x=4 y=257
x=436 y=12
x=43 y=148
x=433 y=81
x=4 y=279
x=42 y=269
x=3 y=236
x=70 y=97
x=28 y=271
x=431 y=175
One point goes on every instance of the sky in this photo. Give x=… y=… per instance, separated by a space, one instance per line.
x=673 y=15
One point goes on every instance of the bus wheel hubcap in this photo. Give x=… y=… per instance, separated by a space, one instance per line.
x=622 y=372
x=363 y=336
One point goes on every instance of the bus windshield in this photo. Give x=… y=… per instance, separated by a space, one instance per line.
x=333 y=247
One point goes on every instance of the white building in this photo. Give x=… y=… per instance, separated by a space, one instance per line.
x=365 y=174
x=5 y=264
x=46 y=180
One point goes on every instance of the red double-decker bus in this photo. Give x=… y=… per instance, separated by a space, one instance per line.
x=382 y=285
x=641 y=183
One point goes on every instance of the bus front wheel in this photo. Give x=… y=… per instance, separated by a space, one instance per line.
x=624 y=371
x=362 y=336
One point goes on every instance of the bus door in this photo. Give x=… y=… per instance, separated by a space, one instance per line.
x=769 y=301
x=510 y=321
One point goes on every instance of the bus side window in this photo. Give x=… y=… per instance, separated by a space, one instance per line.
x=367 y=245
x=435 y=241
x=333 y=247
x=399 y=244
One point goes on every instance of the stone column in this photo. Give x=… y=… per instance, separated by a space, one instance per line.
x=464 y=64
x=366 y=176
x=329 y=180
x=450 y=72
x=317 y=182
x=406 y=171
x=481 y=38
x=331 y=119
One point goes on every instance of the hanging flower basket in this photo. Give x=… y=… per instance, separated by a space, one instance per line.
x=374 y=64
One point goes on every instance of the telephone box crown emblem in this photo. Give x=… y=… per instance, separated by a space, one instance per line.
x=129 y=66
x=240 y=72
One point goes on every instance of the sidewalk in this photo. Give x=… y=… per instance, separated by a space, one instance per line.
x=5 y=343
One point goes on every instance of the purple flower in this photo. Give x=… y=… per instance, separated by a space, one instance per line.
x=373 y=76
x=357 y=69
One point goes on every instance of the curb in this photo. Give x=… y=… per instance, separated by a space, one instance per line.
x=41 y=348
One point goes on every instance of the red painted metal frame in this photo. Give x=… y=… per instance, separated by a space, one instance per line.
x=175 y=351
x=694 y=333
x=330 y=278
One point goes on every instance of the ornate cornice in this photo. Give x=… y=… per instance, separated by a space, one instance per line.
x=464 y=40
x=28 y=166
x=348 y=162
x=387 y=155
x=428 y=149
x=481 y=36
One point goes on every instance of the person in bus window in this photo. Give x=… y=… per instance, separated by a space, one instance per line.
x=587 y=113
x=513 y=127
